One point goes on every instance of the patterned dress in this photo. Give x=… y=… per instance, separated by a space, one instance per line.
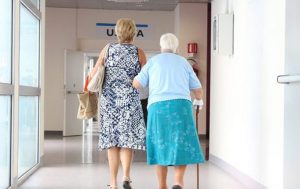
x=121 y=116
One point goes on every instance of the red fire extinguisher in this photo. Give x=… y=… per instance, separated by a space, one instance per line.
x=192 y=48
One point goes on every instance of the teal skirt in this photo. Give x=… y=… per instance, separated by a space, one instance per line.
x=171 y=134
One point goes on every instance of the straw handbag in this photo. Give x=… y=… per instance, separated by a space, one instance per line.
x=96 y=82
x=88 y=104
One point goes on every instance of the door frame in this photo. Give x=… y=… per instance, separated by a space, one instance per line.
x=208 y=72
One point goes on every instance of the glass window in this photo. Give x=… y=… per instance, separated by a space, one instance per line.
x=35 y=2
x=5 y=38
x=28 y=133
x=5 y=130
x=29 y=49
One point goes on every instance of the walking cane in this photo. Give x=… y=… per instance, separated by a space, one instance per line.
x=197 y=114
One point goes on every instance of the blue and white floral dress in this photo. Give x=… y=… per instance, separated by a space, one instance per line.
x=121 y=116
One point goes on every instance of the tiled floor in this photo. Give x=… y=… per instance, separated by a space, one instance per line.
x=74 y=163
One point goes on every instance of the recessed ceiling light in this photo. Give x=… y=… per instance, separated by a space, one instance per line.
x=129 y=1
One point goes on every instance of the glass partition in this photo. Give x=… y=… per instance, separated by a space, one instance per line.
x=6 y=41
x=29 y=48
x=28 y=133
x=5 y=138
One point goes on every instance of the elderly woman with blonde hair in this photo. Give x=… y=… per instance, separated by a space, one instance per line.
x=171 y=138
x=122 y=127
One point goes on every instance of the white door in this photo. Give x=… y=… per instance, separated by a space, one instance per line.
x=292 y=97
x=74 y=82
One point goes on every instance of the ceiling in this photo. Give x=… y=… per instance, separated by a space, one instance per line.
x=162 y=5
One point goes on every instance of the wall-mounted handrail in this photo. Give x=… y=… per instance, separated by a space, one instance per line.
x=288 y=79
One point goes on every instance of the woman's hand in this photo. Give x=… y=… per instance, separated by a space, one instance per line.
x=198 y=103
x=136 y=84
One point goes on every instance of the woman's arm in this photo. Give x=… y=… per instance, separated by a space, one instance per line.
x=141 y=80
x=100 y=61
x=198 y=93
x=142 y=57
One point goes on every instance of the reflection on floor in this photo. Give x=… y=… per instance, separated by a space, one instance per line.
x=74 y=163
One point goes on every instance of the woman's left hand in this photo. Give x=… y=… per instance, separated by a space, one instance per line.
x=198 y=103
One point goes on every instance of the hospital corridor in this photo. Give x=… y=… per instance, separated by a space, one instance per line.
x=149 y=94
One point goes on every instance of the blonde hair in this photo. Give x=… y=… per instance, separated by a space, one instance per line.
x=125 y=30
x=169 y=41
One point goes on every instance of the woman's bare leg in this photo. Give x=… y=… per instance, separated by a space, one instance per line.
x=126 y=156
x=162 y=172
x=113 y=155
x=179 y=174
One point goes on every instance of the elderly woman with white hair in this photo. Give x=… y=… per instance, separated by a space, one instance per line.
x=171 y=138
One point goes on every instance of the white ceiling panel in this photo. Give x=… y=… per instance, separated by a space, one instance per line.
x=163 y=5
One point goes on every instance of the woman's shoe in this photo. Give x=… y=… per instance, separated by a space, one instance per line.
x=126 y=185
x=176 y=187
x=126 y=182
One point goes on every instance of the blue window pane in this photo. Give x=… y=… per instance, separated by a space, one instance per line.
x=5 y=133
x=29 y=49
x=28 y=133
x=5 y=38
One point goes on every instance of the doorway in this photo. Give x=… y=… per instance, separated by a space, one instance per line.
x=77 y=67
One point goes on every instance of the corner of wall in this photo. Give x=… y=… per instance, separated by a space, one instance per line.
x=241 y=177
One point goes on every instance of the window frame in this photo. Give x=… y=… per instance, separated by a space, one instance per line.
x=15 y=90
x=31 y=91
x=7 y=89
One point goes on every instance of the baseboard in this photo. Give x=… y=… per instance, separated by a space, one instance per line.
x=53 y=133
x=241 y=177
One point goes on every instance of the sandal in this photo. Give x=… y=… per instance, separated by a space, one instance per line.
x=126 y=183
x=176 y=187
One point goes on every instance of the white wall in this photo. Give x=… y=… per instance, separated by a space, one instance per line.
x=76 y=30
x=60 y=35
x=246 y=102
x=191 y=26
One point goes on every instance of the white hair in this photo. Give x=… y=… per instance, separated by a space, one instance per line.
x=169 y=41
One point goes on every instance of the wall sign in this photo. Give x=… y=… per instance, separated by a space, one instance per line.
x=107 y=30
